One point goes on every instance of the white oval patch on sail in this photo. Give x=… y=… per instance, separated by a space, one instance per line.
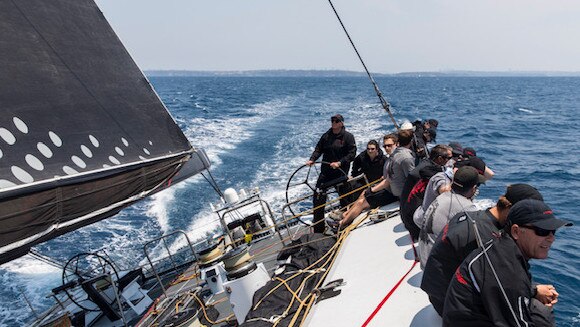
x=6 y=184
x=20 y=125
x=1 y=154
x=87 y=151
x=114 y=160
x=94 y=141
x=7 y=136
x=21 y=174
x=55 y=139
x=44 y=150
x=69 y=171
x=146 y=151
x=119 y=151
x=125 y=142
x=34 y=162
x=79 y=162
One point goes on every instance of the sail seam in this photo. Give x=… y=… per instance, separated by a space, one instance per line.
x=58 y=225
x=59 y=197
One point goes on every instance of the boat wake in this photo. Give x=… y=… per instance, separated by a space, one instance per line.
x=29 y=276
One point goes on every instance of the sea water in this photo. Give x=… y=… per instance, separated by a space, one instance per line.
x=258 y=130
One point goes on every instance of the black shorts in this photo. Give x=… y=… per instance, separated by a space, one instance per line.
x=380 y=198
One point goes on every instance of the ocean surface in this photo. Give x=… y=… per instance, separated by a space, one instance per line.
x=258 y=130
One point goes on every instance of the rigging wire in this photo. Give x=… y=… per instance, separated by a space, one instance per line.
x=384 y=102
x=46 y=259
x=484 y=247
x=479 y=240
x=213 y=183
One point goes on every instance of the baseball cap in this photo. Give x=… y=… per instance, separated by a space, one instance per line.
x=407 y=126
x=467 y=176
x=456 y=148
x=469 y=152
x=433 y=123
x=474 y=162
x=517 y=192
x=338 y=117
x=535 y=213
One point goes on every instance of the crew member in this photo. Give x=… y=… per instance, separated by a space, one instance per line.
x=337 y=148
x=492 y=287
x=458 y=239
x=464 y=187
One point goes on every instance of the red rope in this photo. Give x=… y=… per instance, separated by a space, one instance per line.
x=378 y=308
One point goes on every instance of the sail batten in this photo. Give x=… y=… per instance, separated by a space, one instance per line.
x=82 y=132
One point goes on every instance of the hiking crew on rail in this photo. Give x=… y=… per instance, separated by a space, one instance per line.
x=457 y=243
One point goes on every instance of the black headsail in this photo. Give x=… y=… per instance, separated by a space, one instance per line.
x=82 y=133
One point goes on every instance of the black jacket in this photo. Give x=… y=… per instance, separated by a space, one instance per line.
x=335 y=147
x=418 y=142
x=410 y=201
x=373 y=169
x=474 y=297
x=452 y=246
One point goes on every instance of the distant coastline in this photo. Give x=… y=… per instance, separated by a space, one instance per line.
x=346 y=73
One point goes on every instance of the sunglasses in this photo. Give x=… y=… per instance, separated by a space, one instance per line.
x=371 y=149
x=335 y=120
x=447 y=157
x=388 y=145
x=540 y=231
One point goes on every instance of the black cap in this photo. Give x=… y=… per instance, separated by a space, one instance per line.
x=474 y=162
x=517 y=192
x=456 y=148
x=466 y=177
x=535 y=213
x=469 y=152
x=433 y=123
x=337 y=117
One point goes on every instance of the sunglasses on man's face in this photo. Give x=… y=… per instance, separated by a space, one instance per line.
x=388 y=145
x=335 y=120
x=540 y=231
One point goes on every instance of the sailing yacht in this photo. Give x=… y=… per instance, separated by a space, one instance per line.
x=84 y=135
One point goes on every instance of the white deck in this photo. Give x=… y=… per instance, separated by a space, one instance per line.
x=372 y=261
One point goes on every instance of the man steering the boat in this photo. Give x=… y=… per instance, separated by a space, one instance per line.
x=338 y=149
x=492 y=287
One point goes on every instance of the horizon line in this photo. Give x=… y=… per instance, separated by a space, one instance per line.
x=343 y=72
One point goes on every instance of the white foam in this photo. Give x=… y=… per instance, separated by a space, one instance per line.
x=206 y=222
x=216 y=136
x=158 y=207
x=526 y=110
x=295 y=148
x=483 y=204
x=31 y=277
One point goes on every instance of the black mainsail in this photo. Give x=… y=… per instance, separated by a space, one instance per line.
x=82 y=132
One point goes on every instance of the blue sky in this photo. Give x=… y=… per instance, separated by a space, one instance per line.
x=392 y=35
